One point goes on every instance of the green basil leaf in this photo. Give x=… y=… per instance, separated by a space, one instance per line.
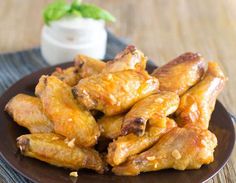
x=55 y=11
x=92 y=11
x=60 y=8
x=75 y=3
x=75 y=12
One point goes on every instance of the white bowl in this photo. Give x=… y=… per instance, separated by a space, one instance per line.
x=64 y=39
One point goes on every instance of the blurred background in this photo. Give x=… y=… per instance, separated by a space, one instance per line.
x=161 y=29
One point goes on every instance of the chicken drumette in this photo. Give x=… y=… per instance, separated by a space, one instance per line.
x=125 y=146
x=197 y=104
x=181 y=148
x=151 y=108
x=181 y=73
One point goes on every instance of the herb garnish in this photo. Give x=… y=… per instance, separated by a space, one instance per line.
x=60 y=8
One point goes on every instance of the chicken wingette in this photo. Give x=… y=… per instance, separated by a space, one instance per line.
x=56 y=150
x=181 y=73
x=114 y=93
x=181 y=148
x=129 y=58
x=27 y=111
x=69 y=119
x=126 y=146
x=198 y=103
x=152 y=107
x=110 y=126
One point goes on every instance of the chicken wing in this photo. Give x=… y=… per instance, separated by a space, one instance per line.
x=84 y=67
x=27 y=111
x=154 y=106
x=197 y=104
x=55 y=150
x=126 y=146
x=69 y=119
x=181 y=148
x=110 y=126
x=181 y=73
x=70 y=75
x=114 y=93
x=129 y=58
x=88 y=66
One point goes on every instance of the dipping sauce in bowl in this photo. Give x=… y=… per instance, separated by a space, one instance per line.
x=64 y=38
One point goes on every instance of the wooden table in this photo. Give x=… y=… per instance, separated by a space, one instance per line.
x=162 y=29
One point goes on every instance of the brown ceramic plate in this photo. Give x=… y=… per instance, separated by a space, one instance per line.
x=37 y=171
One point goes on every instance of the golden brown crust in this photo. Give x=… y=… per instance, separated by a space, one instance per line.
x=27 y=111
x=181 y=148
x=181 y=73
x=114 y=93
x=126 y=146
x=198 y=103
x=55 y=150
x=69 y=119
x=88 y=66
x=69 y=75
x=133 y=114
x=129 y=58
x=158 y=105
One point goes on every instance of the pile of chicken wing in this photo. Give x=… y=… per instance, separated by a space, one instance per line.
x=98 y=115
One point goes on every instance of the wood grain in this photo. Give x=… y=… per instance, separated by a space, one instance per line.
x=162 y=29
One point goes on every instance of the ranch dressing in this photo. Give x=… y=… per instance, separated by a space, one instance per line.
x=63 y=39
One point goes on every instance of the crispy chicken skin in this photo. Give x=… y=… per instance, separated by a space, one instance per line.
x=55 y=150
x=84 y=67
x=154 y=106
x=95 y=114
x=114 y=93
x=27 y=111
x=126 y=146
x=181 y=148
x=197 y=104
x=129 y=58
x=110 y=126
x=69 y=119
x=88 y=66
x=70 y=75
x=181 y=73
